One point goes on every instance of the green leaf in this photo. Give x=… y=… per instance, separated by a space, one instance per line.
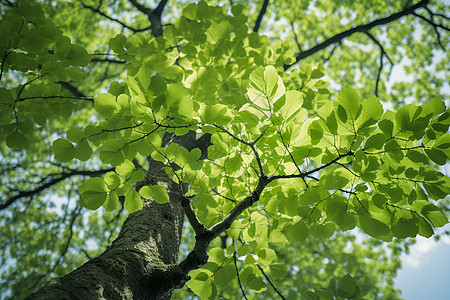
x=77 y=55
x=323 y=230
x=266 y=87
x=342 y=114
x=371 y=112
x=350 y=102
x=437 y=218
x=106 y=105
x=225 y=274
x=202 y=286
x=387 y=126
x=83 y=151
x=346 y=221
x=332 y=123
x=117 y=43
x=297 y=232
x=156 y=192
x=417 y=156
x=379 y=200
x=93 y=193
x=403 y=116
x=63 y=149
x=372 y=226
x=293 y=101
x=437 y=156
x=158 y=85
x=17 y=139
x=425 y=229
x=393 y=150
x=111 y=153
x=178 y=96
x=403 y=228
x=112 y=202
x=75 y=135
x=346 y=287
x=125 y=168
x=112 y=180
x=375 y=141
x=218 y=31
x=133 y=201
x=434 y=191
x=190 y=11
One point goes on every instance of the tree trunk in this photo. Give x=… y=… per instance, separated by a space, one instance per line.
x=135 y=265
x=140 y=263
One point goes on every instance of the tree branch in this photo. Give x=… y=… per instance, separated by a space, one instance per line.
x=382 y=55
x=62 y=176
x=361 y=28
x=108 y=60
x=56 y=97
x=238 y=276
x=435 y=27
x=198 y=226
x=9 y=3
x=260 y=16
x=332 y=52
x=307 y=174
x=270 y=282
x=72 y=89
x=154 y=16
x=97 y=10
x=141 y=7
x=223 y=225
x=251 y=145
x=296 y=37
x=159 y=9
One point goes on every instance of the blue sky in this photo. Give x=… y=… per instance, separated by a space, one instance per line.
x=425 y=272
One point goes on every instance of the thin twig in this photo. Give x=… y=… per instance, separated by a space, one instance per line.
x=296 y=37
x=270 y=282
x=62 y=176
x=435 y=28
x=56 y=97
x=238 y=277
x=97 y=10
x=108 y=60
x=382 y=55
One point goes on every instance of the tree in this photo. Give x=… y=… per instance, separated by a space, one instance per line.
x=221 y=144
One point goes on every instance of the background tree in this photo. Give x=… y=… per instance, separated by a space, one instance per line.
x=218 y=138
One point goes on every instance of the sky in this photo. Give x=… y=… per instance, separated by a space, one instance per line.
x=425 y=272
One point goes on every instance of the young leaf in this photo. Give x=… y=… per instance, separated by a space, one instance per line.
x=63 y=149
x=16 y=139
x=133 y=201
x=106 y=105
x=350 y=102
x=112 y=202
x=93 y=193
x=266 y=87
x=372 y=226
x=156 y=192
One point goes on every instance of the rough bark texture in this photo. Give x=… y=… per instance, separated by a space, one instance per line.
x=142 y=262
x=134 y=266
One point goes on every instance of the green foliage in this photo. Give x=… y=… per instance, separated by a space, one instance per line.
x=333 y=163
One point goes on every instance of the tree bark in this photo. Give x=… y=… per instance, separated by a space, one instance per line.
x=142 y=262
x=135 y=264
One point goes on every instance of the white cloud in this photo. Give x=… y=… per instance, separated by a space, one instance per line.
x=418 y=252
